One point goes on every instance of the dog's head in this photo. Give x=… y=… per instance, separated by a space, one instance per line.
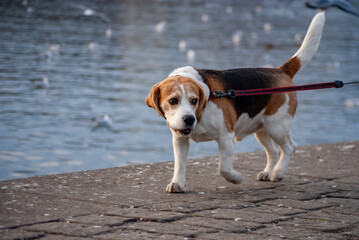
x=180 y=100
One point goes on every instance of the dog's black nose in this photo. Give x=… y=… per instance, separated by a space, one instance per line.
x=188 y=119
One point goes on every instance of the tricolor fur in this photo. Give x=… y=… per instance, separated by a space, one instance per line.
x=183 y=100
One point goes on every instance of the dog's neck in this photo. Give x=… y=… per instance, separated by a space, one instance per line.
x=191 y=72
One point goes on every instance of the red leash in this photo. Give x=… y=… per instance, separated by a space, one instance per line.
x=262 y=91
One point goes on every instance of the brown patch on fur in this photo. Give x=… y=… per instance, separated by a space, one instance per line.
x=293 y=103
x=291 y=67
x=278 y=99
x=153 y=98
x=226 y=104
x=169 y=89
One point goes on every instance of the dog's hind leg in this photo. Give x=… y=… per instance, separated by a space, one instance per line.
x=280 y=133
x=272 y=151
x=225 y=146
x=287 y=149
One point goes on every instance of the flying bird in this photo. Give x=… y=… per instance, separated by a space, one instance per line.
x=90 y=12
x=42 y=84
x=344 y=5
x=103 y=121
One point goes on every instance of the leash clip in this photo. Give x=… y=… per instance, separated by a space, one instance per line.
x=219 y=94
x=338 y=84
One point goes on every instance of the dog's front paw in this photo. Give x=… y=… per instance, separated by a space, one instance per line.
x=174 y=187
x=263 y=176
x=277 y=175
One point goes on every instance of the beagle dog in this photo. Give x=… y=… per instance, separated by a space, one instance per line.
x=185 y=101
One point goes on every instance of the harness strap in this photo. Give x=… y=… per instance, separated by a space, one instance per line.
x=210 y=96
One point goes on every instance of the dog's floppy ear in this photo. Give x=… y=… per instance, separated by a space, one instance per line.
x=202 y=103
x=153 y=99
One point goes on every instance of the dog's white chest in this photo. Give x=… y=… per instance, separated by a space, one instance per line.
x=211 y=126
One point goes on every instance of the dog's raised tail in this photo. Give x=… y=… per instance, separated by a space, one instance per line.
x=308 y=48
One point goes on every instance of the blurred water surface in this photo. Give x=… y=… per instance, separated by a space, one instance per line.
x=96 y=68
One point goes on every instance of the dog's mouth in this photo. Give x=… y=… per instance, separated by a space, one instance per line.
x=184 y=132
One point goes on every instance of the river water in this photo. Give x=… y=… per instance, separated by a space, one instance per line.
x=102 y=57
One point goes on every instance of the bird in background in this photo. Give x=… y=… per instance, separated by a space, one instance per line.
x=91 y=12
x=42 y=84
x=103 y=121
x=344 y=5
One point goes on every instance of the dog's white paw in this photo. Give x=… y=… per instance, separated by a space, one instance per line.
x=277 y=175
x=174 y=187
x=263 y=176
x=232 y=176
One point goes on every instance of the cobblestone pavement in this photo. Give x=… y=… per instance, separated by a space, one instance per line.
x=318 y=199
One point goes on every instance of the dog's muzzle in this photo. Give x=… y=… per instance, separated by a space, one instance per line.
x=189 y=121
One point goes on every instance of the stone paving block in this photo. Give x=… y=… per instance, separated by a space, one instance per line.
x=315 y=186
x=302 y=194
x=138 y=235
x=275 y=231
x=303 y=205
x=288 y=189
x=234 y=225
x=318 y=225
x=174 y=228
x=351 y=179
x=68 y=229
x=62 y=237
x=146 y=214
x=343 y=205
x=99 y=220
x=352 y=233
x=262 y=196
x=344 y=194
x=340 y=219
x=8 y=234
x=192 y=204
x=278 y=210
x=242 y=215
x=20 y=209
x=228 y=202
x=231 y=236
x=94 y=187
x=344 y=187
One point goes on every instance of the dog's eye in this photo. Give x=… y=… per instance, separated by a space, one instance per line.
x=173 y=101
x=194 y=101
